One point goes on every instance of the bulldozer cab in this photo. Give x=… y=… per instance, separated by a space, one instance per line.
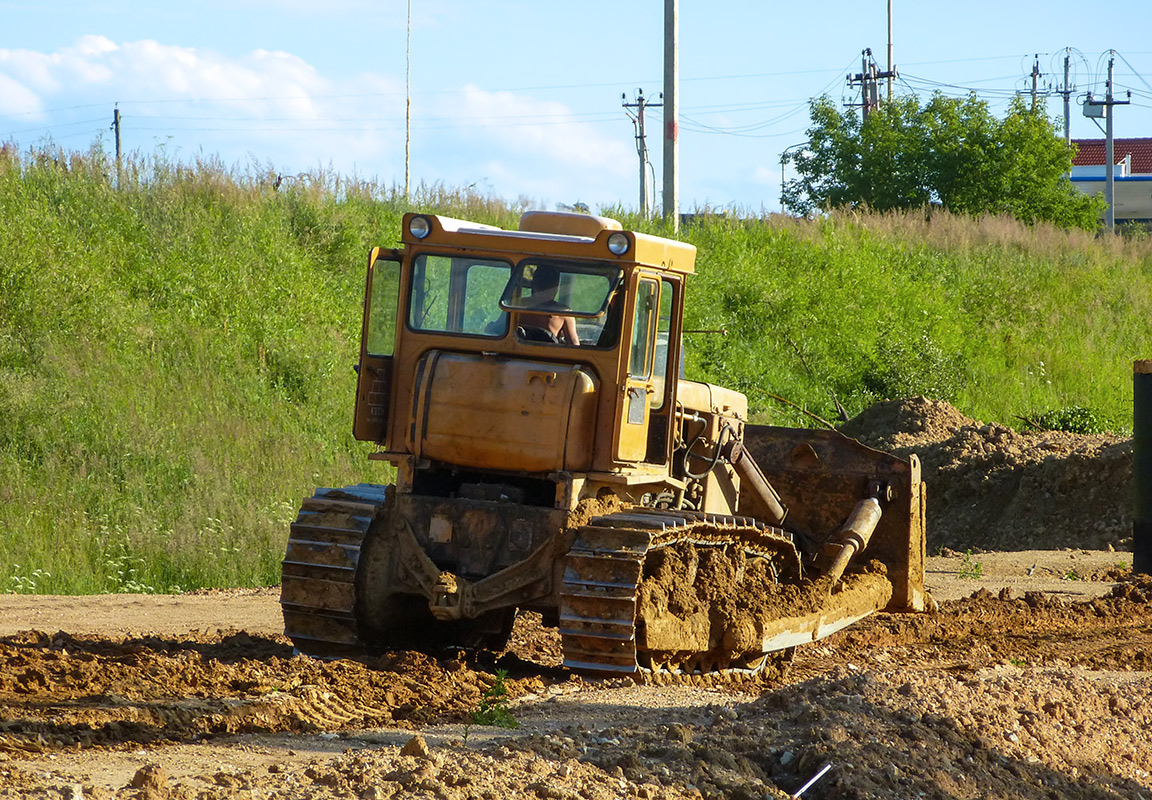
x=550 y=349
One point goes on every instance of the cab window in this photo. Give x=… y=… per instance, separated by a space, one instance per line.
x=663 y=332
x=576 y=296
x=458 y=295
x=643 y=325
x=385 y=296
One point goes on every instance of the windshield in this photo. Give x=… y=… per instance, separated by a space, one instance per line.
x=565 y=303
x=580 y=290
x=543 y=301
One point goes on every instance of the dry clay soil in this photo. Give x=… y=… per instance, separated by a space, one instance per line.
x=1031 y=679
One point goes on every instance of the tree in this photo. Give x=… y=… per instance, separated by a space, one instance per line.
x=951 y=153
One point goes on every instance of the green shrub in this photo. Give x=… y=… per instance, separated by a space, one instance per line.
x=909 y=369
x=970 y=569
x=1073 y=419
x=492 y=710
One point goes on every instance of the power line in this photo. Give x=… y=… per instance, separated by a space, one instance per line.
x=49 y=128
x=1134 y=72
x=929 y=83
x=744 y=131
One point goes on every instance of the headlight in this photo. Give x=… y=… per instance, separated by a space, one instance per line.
x=618 y=244
x=420 y=227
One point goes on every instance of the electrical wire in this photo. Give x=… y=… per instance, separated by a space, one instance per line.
x=745 y=131
x=49 y=128
x=1134 y=72
x=688 y=122
x=693 y=119
x=970 y=89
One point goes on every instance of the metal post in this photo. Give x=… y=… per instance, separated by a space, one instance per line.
x=783 y=161
x=641 y=144
x=642 y=151
x=1142 y=466
x=671 y=107
x=1035 y=80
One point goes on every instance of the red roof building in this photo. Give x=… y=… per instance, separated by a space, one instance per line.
x=1132 y=179
x=1137 y=153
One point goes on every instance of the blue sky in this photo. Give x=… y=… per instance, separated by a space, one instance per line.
x=523 y=99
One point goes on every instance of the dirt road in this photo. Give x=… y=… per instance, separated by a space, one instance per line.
x=1071 y=574
x=1031 y=693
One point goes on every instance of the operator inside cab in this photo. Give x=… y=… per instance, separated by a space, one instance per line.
x=546 y=320
x=564 y=302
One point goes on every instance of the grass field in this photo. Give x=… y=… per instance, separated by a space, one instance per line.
x=176 y=353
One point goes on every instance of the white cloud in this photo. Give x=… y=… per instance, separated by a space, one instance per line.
x=529 y=127
x=48 y=73
x=94 y=46
x=275 y=107
x=262 y=83
x=16 y=98
x=766 y=175
x=148 y=71
x=268 y=102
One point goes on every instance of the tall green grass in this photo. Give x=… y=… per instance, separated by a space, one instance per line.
x=1002 y=320
x=176 y=352
x=176 y=363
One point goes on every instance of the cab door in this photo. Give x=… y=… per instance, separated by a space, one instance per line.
x=377 y=341
x=637 y=388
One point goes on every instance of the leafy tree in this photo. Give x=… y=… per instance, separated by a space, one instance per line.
x=950 y=152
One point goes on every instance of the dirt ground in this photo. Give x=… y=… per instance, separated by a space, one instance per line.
x=1031 y=680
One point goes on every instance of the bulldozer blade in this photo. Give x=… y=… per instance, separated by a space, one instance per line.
x=863 y=595
x=821 y=476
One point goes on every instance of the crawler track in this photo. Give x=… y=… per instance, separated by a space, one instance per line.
x=658 y=596
x=318 y=589
x=672 y=597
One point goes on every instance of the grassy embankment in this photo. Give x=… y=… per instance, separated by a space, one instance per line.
x=1002 y=320
x=175 y=356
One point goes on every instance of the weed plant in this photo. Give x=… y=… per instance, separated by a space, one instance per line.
x=492 y=709
x=176 y=347
x=970 y=569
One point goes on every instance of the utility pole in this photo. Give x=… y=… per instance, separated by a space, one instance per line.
x=1035 y=79
x=1067 y=93
x=869 y=80
x=783 y=161
x=1092 y=108
x=116 y=129
x=641 y=143
x=408 y=109
x=671 y=106
x=891 y=69
x=1109 y=150
x=867 y=77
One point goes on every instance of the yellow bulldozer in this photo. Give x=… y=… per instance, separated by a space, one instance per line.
x=550 y=456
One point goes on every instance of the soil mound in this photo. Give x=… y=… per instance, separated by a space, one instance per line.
x=994 y=488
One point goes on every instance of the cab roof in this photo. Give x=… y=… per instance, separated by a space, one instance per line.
x=556 y=234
